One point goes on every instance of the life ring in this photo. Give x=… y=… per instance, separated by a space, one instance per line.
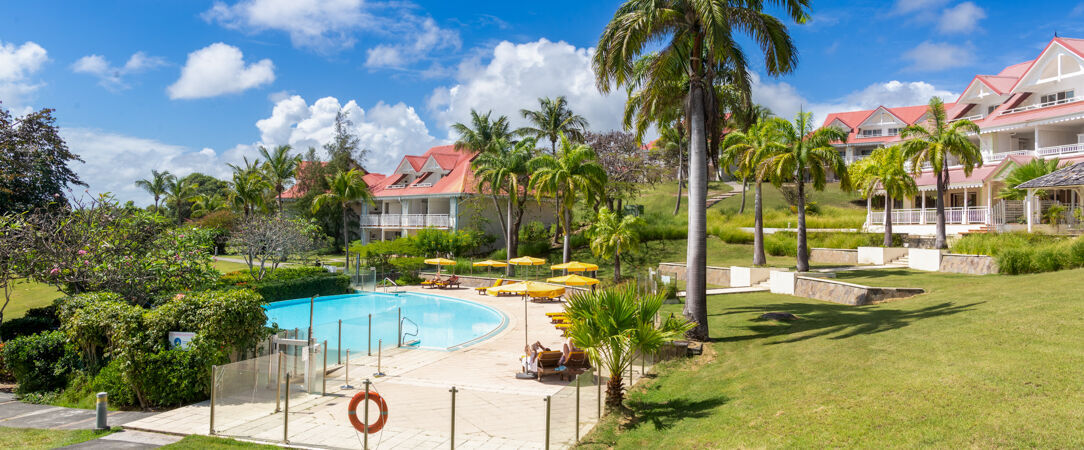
x=352 y=410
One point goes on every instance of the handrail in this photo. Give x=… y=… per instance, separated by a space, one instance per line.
x=417 y=329
x=389 y=280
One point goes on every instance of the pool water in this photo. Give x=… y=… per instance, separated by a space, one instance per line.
x=431 y=321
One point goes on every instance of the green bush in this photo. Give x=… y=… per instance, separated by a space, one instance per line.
x=777 y=245
x=659 y=232
x=177 y=377
x=1015 y=261
x=40 y=362
x=111 y=380
x=499 y=254
x=408 y=279
x=92 y=322
x=1049 y=259
x=34 y=321
x=1019 y=253
x=732 y=235
x=290 y=282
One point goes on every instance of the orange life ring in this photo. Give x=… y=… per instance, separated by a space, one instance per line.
x=352 y=410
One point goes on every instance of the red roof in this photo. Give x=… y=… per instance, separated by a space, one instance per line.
x=1015 y=70
x=458 y=180
x=977 y=177
x=908 y=114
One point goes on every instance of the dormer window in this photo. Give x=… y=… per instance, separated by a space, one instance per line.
x=893 y=131
x=871 y=133
x=1055 y=98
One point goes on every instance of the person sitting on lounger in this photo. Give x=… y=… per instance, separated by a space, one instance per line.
x=567 y=350
x=530 y=361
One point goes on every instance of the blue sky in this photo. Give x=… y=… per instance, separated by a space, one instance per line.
x=189 y=85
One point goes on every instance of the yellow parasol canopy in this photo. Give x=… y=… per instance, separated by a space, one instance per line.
x=573 y=280
x=490 y=263
x=440 y=262
x=529 y=288
x=575 y=266
x=527 y=261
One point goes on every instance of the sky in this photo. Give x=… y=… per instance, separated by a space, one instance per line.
x=188 y=85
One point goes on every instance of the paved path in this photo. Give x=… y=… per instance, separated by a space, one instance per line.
x=16 y=414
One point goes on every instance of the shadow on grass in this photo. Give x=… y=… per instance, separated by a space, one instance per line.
x=664 y=414
x=842 y=321
x=872 y=273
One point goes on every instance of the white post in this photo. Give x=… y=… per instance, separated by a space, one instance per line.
x=1028 y=206
x=869 y=211
x=989 y=203
x=885 y=222
x=922 y=220
x=964 y=220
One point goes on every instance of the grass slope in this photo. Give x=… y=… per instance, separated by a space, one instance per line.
x=28 y=294
x=207 y=442
x=28 y=438
x=990 y=361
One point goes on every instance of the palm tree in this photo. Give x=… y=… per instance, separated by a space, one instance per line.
x=1031 y=170
x=280 y=168
x=572 y=173
x=206 y=204
x=884 y=169
x=746 y=153
x=807 y=155
x=550 y=120
x=482 y=133
x=742 y=119
x=613 y=325
x=612 y=234
x=934 y=144
x=248 y=191
x=697 y=36
x=156 y=185
x=345 y=188
x=672 y=140
x=505 y=170
x=179 y=191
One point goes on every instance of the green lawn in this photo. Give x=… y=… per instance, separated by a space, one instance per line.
x=980 y=362
x=28 y=438
x=229 y=266
x=205 y=442
x=27 y=294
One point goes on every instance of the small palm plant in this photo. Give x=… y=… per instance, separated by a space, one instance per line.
x=344 y=188
x=612 y=234
x=613 y=325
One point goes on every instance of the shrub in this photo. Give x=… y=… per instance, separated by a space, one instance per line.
x=1076 y=253
x=1048 y=259
x=176 y=377
x=499 y=254
x=777 y=245
x=40 y=362
x=1015 y=261
x=732 y=235
x=32 y=323
x=111 y=380
x=290 y=283
x=534 y=248
x=92 y=321
x=408 y=279
x=660 y=232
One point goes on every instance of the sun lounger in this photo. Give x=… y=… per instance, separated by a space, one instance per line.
x=429 y=283
x=544 y=299
x=554 y=314
x=482 y=290
x=577 y=363
x=548 y=362
x=452 y=281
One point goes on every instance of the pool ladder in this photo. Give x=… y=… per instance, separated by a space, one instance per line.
x=403 y=342
x=389 y=280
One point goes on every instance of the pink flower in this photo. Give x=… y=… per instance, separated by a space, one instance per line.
x=54 y=271
x=82 y=252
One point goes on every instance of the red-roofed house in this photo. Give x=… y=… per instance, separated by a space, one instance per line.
x=1028 y=110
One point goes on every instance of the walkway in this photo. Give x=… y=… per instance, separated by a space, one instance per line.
x=16 y=414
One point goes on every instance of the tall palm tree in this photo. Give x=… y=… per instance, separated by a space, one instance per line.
x=613 y=234
x=807 y=155
x=885 y=170
x=1029 y=171
x=156 y=185
x=550 y=120
x=344 y=188
x=697 y=36
x=180 y=191
x=280 y=167
x=742 y=119
x=573 y=173
x=672 y=141
x=746 y=153
x=612 y=325
x=247 y=191
x=935 y=143
x=206 y=204
x=482 y=133
x=505 y=171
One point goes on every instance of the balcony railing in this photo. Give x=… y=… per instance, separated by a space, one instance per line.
x=406 y=221
x=955 y=216
x=1059 y=150
x=973 y=117
x=1042 y=105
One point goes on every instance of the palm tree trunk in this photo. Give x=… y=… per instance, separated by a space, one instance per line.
x=758 y=227
x=614 y=390
x=803 y=252
x=677 y=203
x=617 y=266
x=940 y=241
x=346 y=241
x=744 y=187
x=888 y=221
x=696 y=249
x=566 y=254
x=280 y=200
x=509 y=245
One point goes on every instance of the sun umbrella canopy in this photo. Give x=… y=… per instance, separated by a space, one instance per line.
x=440 y=262
x=530 y=288
x=490 y=263
x=575 y=266
x=527 y=261
x=573 y=280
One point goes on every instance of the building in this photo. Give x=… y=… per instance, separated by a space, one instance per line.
x=1027 y=110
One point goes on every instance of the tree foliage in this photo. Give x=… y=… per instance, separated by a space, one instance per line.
x=266 y=241
x=1028 y=171
x=34 y=161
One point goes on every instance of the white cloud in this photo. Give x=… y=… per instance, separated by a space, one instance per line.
x=962 y=18
x=17 y=66
x=933 y=56
x=423 y=37
x=389 y=132
x=110 y=77
x=785 y=101
x=318 y=24
x=516 y=75
x=219 y=69
x=911 y=6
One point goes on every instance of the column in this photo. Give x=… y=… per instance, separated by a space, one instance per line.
x=1028 y=206
x=1036 y=149
x=964 y=219
x=989 y=203
x=886 y=208
x=453 y=213
x=922 y=219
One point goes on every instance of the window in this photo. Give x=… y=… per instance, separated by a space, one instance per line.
x=871 y=133
x=893 y=131
x=991 y=109
x=1056 y=97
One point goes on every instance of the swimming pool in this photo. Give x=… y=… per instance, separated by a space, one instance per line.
x=430 y=321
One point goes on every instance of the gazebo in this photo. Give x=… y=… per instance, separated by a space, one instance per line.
x=1069 y=177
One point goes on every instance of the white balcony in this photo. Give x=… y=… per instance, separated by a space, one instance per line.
x=1042 y=105
x=953 y=216
x=406 y=221
x=1058 y=150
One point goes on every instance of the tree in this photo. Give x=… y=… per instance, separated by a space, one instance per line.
x=345 y=151
x=203 y=204
x=505 y=170
x=155 y=186
x=697 y=37
x=672 y=142
x=482 y=133
x=746 y=153
x=247 y=191
x=1029 y=171
x=180 y=192
x=551 y=120
x=15 y=253
x=935 y=143
x=742 y=119
x=572 y=174
x=613 y=325
x=34 y=162
x=279 y=168
x=884 y=169
x=807 y=155
x=343 y=189
x=614 y=234
x=627 y=165
x=265 y=241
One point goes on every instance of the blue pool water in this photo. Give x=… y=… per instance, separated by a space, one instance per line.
x=442 y=323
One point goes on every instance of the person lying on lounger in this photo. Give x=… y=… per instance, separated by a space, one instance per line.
x=530 y=361
x=567 y=350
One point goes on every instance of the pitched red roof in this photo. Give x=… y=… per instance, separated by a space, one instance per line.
x=458 y=180
x=1015 y=70
x=416 y=161
x=908 y=114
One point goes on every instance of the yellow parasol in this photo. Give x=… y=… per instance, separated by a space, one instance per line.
x=440 y=262
x=489 y=263
x=528 y=288
x=527 y=261
x=575 y=266
x=573 y=280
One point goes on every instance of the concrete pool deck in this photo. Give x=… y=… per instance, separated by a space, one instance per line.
x=494 y=409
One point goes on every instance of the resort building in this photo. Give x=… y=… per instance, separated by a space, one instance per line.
x=1028 y=110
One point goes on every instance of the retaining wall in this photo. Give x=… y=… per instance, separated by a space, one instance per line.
x=848 y=293
x=719 y=276
x=880 y=255
x=968 y=264
x=841 y=256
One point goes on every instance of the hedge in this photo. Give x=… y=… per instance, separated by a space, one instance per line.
x=40 y=362
x=291 y=282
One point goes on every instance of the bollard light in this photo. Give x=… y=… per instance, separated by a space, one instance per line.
x=102 y=412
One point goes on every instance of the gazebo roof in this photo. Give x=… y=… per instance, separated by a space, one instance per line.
x=1065 y=177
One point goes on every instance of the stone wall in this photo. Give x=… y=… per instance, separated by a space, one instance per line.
x=719 y=276
x=968 y=264
x=839 y=256
x=848 y=293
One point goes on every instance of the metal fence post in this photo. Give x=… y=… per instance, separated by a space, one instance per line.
x=578 y=407
x=339 y=349
x=347 y=385
x=598 y=376
x=270 y=359
x=312 y=304
x=453 y=391
x=365 y=445
x=278 y=385
x=370 y=341
x=548 y=403
x=286 y=413
x=297 y=350
x=379 y=353
x=214 y=371
x=399 y=333
x=323 y=375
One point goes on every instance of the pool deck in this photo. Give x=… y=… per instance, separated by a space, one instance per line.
x=494 y=409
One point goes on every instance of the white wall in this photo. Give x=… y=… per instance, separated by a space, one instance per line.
x=924 y=259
